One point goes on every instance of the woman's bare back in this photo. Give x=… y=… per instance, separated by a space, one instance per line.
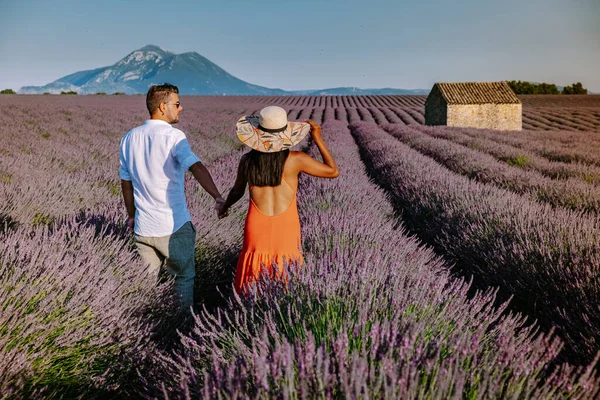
x=275 y=200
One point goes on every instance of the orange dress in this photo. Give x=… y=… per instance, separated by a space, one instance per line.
x=268 y=240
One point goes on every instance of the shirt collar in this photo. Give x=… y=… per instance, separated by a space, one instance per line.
x=156 y=121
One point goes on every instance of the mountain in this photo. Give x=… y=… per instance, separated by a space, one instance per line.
x=192 y=73
x=135 y=73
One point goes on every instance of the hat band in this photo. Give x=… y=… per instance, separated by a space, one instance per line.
x=262 y=128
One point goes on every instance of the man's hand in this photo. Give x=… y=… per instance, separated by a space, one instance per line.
x=130 y=222
x=127 y=188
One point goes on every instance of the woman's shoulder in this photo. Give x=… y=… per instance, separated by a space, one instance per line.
x=297 y=154
x=295 y=162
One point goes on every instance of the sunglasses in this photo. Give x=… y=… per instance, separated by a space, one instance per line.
x=177 y=104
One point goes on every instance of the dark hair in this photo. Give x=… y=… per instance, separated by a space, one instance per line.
x=159 y=94
x=265 y=169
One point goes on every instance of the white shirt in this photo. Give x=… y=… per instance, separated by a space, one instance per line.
x=154 y=157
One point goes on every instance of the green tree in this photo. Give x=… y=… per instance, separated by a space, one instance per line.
x=7 y=91
x=576 y=88
x=524 y=87
x=547 y=88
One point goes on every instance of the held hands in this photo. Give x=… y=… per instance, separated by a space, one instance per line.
x=219 y=207
x=223 y=212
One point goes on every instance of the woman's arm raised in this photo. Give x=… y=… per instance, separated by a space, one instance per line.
x=326 y=169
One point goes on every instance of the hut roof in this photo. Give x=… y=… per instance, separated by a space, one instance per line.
x=477 y=93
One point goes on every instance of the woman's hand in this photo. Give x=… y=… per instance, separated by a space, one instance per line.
x=315 y=129
x=220 y=207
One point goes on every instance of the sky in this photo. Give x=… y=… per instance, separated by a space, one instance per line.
x=312 y=44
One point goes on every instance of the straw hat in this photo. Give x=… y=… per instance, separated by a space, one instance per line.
x=270 y=131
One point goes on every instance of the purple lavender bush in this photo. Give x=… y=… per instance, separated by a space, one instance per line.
x=328 y=114
x=547 y=258
x=73 y=308
x=516 y=156
x=404 y=116
x=417 y=113
x=378 y=116
x=365 y=114
x=353 y=115
x=391 y=116
x=569 y=193
x=555 y=145
x=341 y=114
x=372 y=313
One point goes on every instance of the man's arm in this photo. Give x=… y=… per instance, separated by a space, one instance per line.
x=127 y=188
x=205 y=180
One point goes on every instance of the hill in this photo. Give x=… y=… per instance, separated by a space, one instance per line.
x=191 y=72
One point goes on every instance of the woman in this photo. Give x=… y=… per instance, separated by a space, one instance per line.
x=272 y=228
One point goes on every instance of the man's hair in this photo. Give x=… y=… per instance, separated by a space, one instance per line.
x=265 y=169
x=159 y=94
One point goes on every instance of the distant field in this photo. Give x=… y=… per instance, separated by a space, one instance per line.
x=381 y=308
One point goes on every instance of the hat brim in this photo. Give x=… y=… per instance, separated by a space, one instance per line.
x=249 y=133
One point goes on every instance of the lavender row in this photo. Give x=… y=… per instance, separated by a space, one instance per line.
x=345 y=101
x=552 y=102
x=527 y=160
x=381 y=115
x=75 y=311
x=371 y=313
x=546 y=258
x=570 y=193
x=563 y=120
x=563 y=146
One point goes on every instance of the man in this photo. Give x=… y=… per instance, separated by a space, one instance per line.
x=154 y=158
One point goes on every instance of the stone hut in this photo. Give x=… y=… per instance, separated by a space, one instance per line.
x=486 y=105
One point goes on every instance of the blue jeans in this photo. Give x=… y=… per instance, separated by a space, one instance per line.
x=175 y=253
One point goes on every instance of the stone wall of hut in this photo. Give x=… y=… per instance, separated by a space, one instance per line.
x=435 y=108
x=486 y=116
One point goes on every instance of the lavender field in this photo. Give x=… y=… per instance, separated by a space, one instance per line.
x=442 y=263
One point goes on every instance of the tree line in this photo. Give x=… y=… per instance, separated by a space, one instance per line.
x=524 y=87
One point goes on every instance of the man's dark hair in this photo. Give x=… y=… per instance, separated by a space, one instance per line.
x=159 y=94
x=265 y=169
